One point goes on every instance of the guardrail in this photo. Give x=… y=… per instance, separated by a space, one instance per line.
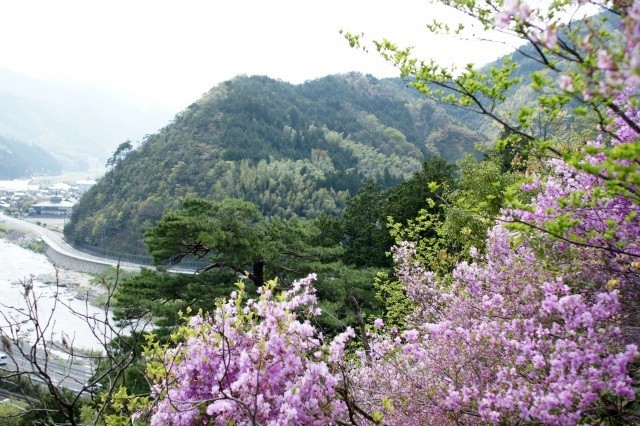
x=191 y=264
x=188 y=264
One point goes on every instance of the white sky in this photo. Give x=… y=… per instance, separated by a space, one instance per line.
x=172 y=51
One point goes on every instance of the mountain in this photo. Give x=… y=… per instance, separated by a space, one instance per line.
x=79 y=125
x=19 y=160
x=293 y=150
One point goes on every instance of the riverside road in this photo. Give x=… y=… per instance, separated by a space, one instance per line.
x=60 y=252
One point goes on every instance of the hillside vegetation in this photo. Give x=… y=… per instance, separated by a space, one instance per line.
x=293 y=150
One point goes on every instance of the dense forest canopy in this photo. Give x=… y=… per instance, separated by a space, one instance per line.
x=293 y=150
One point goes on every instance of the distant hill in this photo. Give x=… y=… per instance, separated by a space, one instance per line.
x=76 y=124
x=19 y=160
x=294 y=150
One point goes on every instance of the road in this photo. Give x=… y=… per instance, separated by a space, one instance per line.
x=71 y=374
x=54 y=240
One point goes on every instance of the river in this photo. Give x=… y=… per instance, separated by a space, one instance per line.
x=64 y=316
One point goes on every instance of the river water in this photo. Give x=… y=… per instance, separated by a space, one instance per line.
x=62 y=313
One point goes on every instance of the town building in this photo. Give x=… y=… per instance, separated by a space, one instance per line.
x=55 y=207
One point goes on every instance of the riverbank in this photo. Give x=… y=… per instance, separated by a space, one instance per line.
x=63 y=299
x=82 y=283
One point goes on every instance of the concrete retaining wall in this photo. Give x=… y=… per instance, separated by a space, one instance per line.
x=67 y=262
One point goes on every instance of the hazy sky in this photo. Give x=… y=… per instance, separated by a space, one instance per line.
x=172 y=51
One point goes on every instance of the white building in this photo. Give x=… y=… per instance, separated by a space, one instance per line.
x=56 y=207
x=84 y=185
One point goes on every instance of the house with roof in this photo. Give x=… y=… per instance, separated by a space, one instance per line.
x=55 y=207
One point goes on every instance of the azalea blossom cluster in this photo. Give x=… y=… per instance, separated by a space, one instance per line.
x=257 y=362
x=508 y=341
x=541 y=328
x=573 y=205
x=606 y=223
x=631 y=70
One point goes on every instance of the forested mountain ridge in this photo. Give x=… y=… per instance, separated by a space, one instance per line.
x=293 y=150
x=21 y=160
